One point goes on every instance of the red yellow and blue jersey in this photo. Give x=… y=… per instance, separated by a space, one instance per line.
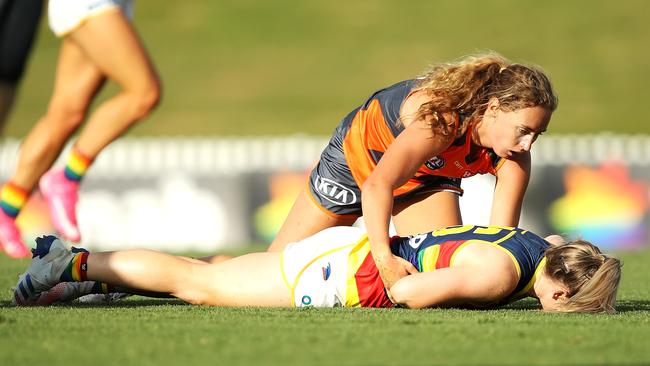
x=437 y=249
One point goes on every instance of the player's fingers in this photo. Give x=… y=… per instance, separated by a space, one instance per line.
x=407 y=266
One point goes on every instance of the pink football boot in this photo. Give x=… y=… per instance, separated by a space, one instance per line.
x=60 y=193
x=10 y=241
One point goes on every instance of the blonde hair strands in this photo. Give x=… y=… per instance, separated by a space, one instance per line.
x=467 y=85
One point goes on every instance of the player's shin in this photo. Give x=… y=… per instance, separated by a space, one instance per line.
x=143 y=270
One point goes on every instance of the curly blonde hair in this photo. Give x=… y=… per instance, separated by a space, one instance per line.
x=591 y=277
x=467 y=85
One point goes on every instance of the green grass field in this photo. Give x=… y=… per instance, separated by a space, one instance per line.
x=234 y=67
x=141 y=331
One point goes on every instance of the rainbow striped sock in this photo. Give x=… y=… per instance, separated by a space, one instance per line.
x=77 y=165
x=76 y=269
x=102 y=288
x=12 y=199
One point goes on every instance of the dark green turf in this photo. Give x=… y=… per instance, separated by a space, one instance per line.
x=259 y=67
x=140 y=331
x=255 y=67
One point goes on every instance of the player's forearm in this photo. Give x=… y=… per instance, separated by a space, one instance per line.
x=377 y=204
x=439 y=288
x=505 y=216
x=512 y=181
x=506 y=204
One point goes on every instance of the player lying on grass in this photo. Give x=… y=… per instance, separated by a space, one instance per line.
x=466 y=266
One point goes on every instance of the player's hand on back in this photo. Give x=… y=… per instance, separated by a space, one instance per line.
x=392 y=268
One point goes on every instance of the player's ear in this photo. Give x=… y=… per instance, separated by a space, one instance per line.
x=560 y=295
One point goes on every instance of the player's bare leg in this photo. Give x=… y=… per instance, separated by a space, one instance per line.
x=110 y=42
x=76 y=82
x=305 y=219
x=253 y=279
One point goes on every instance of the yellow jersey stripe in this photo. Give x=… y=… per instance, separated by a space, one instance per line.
x=530 y=283
x=356 y=258
x=430 y=257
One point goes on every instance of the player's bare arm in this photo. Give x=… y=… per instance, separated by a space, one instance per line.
x=511 y=184
x=402 y=159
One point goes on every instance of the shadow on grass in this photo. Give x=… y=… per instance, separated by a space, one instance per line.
x=130 y=303
x=632 y=305
x=526 y=304
x=622 y=306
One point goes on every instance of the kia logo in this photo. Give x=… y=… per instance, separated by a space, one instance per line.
x=334 y=192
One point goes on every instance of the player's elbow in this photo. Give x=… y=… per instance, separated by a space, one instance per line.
x=370 y=185
x=375 y=188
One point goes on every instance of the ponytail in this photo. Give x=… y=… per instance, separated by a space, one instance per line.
x=591 y=277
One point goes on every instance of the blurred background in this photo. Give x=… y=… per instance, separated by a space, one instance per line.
x=252 y=90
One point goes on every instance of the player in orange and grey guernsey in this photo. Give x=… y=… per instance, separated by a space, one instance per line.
x=404 y=151
x=466 y=266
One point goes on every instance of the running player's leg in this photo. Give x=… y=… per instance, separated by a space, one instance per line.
x=112 y=44
x=426 y=212
x=77 y=81
x=306 y=219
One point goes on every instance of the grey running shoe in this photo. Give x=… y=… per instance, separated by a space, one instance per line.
x=63 y=292
x=49 y=259
x=103 y=298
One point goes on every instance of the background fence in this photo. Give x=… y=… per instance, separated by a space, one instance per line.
x=205 y=193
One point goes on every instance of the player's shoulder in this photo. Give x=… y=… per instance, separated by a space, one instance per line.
x=490 y=259
x=481 y=253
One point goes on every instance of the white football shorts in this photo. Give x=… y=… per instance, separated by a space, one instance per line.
x=316 y=269
x=66 y=15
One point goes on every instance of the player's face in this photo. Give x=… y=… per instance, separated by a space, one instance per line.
x=514 y=132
